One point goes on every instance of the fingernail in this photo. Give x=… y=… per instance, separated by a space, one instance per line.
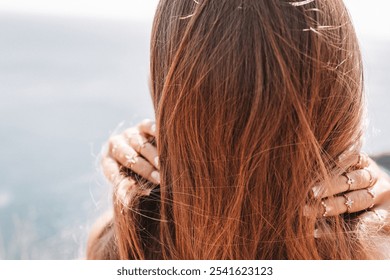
x=156 y=162
x=156 y=176
x=153 y=128
x=317 y=190
x=341 y=157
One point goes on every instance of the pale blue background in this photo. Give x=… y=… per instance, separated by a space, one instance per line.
x=66 y=83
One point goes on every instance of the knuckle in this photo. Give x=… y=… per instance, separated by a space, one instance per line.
x=147 y=126
x=147 y=122
x=374 y=174
x=147 y=168
x=332 y=206
x=113 y=140
x=131 y=131
x=360 y=177
x=363 y=199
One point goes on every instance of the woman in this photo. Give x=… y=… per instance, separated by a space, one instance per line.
x=259 y=108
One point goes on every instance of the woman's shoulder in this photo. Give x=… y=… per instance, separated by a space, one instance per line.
x=101 y=243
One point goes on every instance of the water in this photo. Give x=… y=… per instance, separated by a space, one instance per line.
x=65 y=85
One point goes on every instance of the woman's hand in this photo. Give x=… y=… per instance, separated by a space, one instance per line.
x=134 y=150
x=364 y=187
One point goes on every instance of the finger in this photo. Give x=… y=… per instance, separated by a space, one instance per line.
x=350 y=202
x=375 y=215
x=129 y=158
x=111 y=169
x=140 y=144
x=124 y=187
x=123 y=153
x=363 y=161
x=140 y=166
x=148 y=127
x=347 y=160
x=127 y=189
x=354 y=160
x=379 y=213
x=355 y=180
x=115 y=144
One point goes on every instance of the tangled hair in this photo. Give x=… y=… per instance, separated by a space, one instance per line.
x=255 y=100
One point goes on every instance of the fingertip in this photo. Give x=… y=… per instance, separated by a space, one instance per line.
x=341 y=157
x=148 y=126
x=156 y=162
x=153 y=128
x=317 y=191
x=110 y=168
x=147 y=121
x=380 y=214
x=155 y=176
x=317 y=233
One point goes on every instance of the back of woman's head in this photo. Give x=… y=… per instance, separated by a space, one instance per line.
x=254 y=100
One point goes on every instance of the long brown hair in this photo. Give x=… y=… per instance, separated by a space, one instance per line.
x=254 y=100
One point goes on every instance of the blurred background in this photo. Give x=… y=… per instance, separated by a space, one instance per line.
x=72 y=72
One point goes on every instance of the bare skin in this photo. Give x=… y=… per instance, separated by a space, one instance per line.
x=132 y=150
x=364 y=187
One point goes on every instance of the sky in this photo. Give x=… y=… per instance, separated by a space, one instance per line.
x=112 y=9
x=371 y=17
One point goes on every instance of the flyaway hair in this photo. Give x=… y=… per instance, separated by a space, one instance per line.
x=255 y=100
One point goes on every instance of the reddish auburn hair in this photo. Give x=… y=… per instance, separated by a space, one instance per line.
x=254 y=100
